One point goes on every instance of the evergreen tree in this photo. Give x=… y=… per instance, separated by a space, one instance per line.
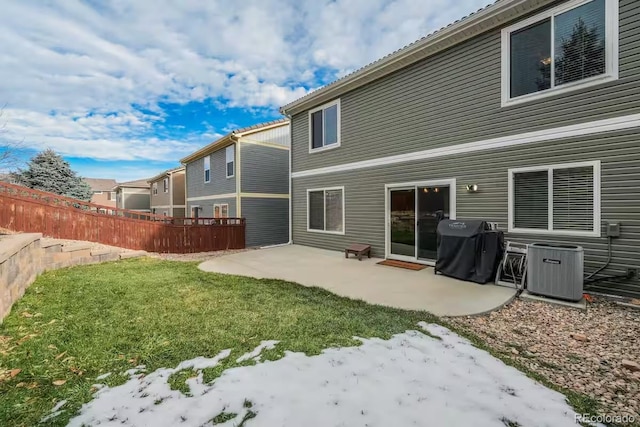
x=48 y=171
x=583 y=54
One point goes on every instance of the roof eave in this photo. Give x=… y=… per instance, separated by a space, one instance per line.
x=484 y=20
x=261 y=129
x=208 y=149
x=165 y=173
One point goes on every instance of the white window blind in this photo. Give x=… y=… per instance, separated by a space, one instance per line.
x=556 y=199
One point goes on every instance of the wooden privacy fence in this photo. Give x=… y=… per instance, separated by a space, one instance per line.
x=27 y=210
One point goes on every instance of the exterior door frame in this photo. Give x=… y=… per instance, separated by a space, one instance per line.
x=451 y=182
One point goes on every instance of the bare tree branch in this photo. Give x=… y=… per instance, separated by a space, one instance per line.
x=9 y=150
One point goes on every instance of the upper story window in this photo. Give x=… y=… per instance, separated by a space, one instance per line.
x=231 y=155
x=324 y=127
x=567 y=47
x=154 y=188
x=165 y=185
x=207 y=169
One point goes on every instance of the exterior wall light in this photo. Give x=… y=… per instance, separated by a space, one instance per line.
x=472 y=188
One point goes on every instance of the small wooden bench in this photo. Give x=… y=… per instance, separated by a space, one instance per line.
x=359 y=250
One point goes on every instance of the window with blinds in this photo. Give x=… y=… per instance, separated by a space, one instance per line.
x=531 y=206
x=571 y=43
x=573 y=199
x=558 y=199
x=325 y=210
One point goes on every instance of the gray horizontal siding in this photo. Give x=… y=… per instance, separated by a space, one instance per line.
x=455 y=97
x=619 y=153
x=264 y=169
x=267 y=221
x=178 y=188
x=220 y=184
x=178 y=212
x=162 y=198
x=206 y=210
x=139 y=201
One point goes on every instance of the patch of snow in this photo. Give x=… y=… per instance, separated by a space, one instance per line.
x=103 y=376
x=200 y=363
x=255 y=354
x=410 y=379
x=55 y=411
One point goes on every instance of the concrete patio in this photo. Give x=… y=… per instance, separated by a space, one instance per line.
x=365 y=280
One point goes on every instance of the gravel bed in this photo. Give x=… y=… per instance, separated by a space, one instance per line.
x=595 y=352
x=201 y=256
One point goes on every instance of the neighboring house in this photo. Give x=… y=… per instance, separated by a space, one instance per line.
x=168 y=193
x=133 y=195
x=525 y=114
x=103 y=193
x=244 y=174
x=8 y=178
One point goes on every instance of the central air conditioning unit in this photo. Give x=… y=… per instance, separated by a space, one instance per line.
x=555 y=271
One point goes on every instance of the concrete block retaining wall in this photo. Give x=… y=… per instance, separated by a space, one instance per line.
x=20 y=264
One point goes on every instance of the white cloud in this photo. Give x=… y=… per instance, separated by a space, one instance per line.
x=72 y=71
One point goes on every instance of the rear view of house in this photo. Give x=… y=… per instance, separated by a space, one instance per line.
x=524 y=114
x=133 y=195
x=244 y=174
x=168 y=193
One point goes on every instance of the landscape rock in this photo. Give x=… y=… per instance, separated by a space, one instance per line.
x=579 y=337
x=632 y=366
x=596 y=363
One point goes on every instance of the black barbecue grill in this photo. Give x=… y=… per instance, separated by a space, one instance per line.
x=468 y=250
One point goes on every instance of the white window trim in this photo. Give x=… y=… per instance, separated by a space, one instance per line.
x=597 y=203
x=339 y=141
x=165 y=189
x=154 y=188
x=325 y=189
x=611 y=51
x=226 y=165
x=204 y=171
x=220 y=205
x=453 y=206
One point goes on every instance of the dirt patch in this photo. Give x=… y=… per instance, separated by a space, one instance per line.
x=199 y=257
x=594 y=352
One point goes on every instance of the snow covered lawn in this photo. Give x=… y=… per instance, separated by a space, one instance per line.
x=411 y=379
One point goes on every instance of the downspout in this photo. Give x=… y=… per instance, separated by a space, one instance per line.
x=290 y=242
x=237 y=173
x=170 y=183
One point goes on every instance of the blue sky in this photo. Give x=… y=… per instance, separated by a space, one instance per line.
x=125 y=88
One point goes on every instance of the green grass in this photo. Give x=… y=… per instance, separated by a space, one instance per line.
x=75 y=324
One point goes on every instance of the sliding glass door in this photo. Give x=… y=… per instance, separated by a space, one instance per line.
x=402 y=230
x=433 y=207
x=414 y=213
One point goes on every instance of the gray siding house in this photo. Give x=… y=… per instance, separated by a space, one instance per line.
x=133 y=195
x=244 y=174
x=525 y=114
x=168 y=193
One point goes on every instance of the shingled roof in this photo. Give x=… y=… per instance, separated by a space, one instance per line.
x=101 y=184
